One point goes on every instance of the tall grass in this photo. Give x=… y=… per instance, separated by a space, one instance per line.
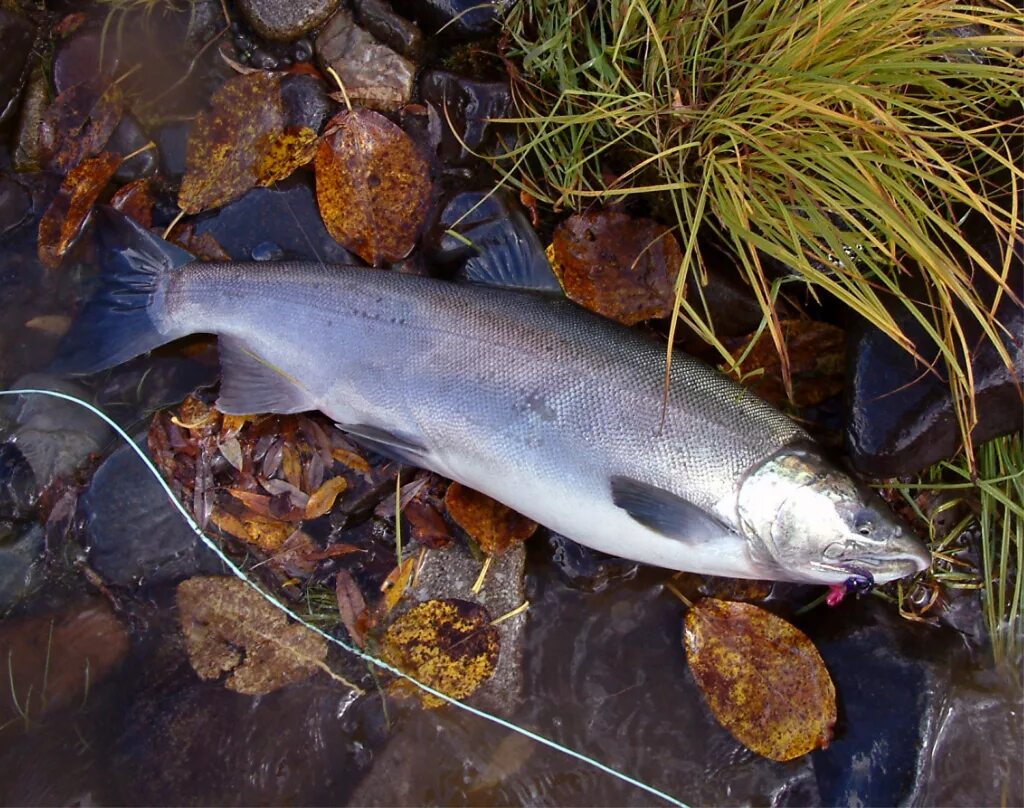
x=844 y=139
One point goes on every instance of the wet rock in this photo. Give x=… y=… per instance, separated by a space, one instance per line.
x=306 y=102
x=205 y=21
x=286 y=215
x=55 y=659
x=17 y=34
x=460 y=19
x=129 y=137
x=467 y=105
x=18 y=488
x=76 y=60
x=395 y=31
x=27 y=155
x=585 y=569
x=22 y=567
x=15 y=204
x=172 y=143
x=900 y=416
x=54 y=436
x=374 y=75
x=504 y=247
x=284 y=20
x=134 y=535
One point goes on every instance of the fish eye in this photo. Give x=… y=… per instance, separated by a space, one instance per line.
x=864 y=521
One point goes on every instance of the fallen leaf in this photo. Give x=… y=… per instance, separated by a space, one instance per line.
x=291 y=465
x=78 y=124
x=64 y=219
x=136 y=200
x=426 y=525
x=397 y=582
x=446 y=644
x=351 y=605
x=262 y=531
x=230 y=628
x=203 y=246
x=230 y=141
x=351 y=460
x=289 y=150
x=56 y=325
x=232 y=451
x=322 y=500
x=373 y=186
x=495 y=527
x=817 y=359
x=763 y=679
x=617 y=265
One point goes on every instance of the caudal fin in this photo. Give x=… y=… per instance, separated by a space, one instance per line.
x=116 y=324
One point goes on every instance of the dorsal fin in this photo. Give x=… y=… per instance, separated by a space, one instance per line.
x=250 y=384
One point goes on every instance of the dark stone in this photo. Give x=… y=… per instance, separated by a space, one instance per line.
x=263 y=60
x=22 y=567
x=76 y=59
x=302 y=51
x=286 y=215
x=306 y=102
x=135 y=535
x=285 y=20
x=469 y=105
x=395 y=31
x=172 y=142
x=129 y=137
x=460 y=19
x=588 y=570
x=17 y=35
x=900 y=416
x=205 y=21
x=18 y=488
x=15 y=204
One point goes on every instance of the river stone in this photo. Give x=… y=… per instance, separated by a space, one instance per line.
x=468 y=106
x=306 y=102
x=373 y=74
x=284 y=20
x=128 y=138
x=22 y=567
x=17 y=34
x=900 y=417
x=395 y=31
x=455 y=19
x=15 y=204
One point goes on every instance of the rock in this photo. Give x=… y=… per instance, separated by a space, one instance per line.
x=395 y=31
x=466 y=104
x=55 y=659
x=172 y=142
x=374 y=75
x=900 y=417
x=284 y=20
x=286 y=215
x=15 y=204
x=17 y=34
x=18 y=488
x=306 y=103
x=205 y=21
x=54 y=436
x=585 y=569
x=135 y=536
x=129 y=137
x=22 y=568
x=460 y=19
x=76 y=59
x=27 y=155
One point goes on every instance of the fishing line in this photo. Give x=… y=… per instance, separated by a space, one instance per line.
x=357 y=652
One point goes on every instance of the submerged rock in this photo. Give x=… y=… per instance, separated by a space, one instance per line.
x=21 y=566
x=77 y=59
x=306 y=102
x=373 y=74
x=900 y=416
x=15 y=204
x=455 y=19
x=134 y=535
x=466 y=106
x=585 y=569
x=286 y=19
x=395 y=31
x=129 y=137
x=17 y=35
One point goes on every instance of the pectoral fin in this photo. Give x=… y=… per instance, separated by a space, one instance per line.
x=250 y=384
x=398 y=447
x=665 y=512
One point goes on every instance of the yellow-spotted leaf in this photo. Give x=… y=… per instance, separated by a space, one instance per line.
x=763 y=679
x=289 y=150
x=495 y=527
x=447 y=644
x=373 y=186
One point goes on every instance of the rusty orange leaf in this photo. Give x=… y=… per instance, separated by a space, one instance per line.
x=495 y=527
x=64 y=219
x=322 y=500
x=136 y=200
x=763 y=679
x=350 y=459
x=229 y=142
x=373 y=186
x=619 y=266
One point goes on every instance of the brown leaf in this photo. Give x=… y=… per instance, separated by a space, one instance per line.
x=763 y=679
x=322 y=500
x=291 y=465
x=203 y=246
x=136 y=200
x=56 y=325
x=64 y=219
x=447 y=644
x=351 y=604
x=494 y=526
x=257 y=503
x=817 y=356
x=78 y=124
x=229 y=142
x=289 y=150
x=350 y=459
x=426 y=525
x=397 y=582
x=231 y=628
x=617 y=265
x=373 y=186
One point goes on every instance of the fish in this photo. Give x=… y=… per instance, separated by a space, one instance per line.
x=518 y=393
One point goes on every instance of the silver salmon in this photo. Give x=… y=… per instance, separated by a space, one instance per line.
x=552 y=410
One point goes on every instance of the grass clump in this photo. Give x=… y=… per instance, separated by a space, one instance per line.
x=846 y=140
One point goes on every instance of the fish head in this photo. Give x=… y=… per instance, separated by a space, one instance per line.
x=814 y=523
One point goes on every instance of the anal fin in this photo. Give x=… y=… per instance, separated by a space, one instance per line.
x=666 y=513
x=250 y=384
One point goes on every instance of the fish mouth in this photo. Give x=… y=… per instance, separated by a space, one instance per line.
x=879 y=569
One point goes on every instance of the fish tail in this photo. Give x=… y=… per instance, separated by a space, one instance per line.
x=120 y=321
